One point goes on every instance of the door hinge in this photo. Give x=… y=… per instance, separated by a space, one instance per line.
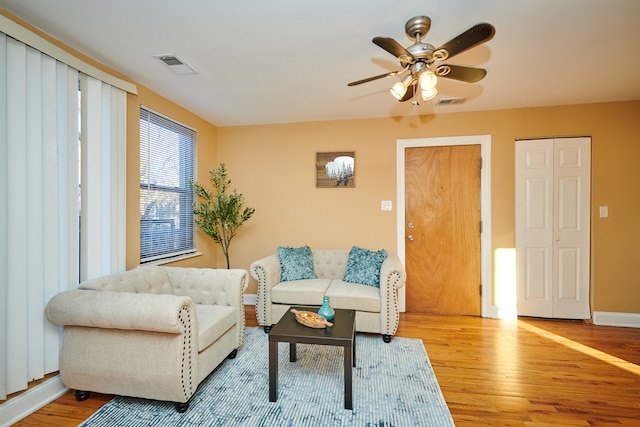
x=480 y=289
x=481 y=163
x=480 y=227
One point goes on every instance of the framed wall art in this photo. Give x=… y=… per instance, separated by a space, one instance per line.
x=335 y=169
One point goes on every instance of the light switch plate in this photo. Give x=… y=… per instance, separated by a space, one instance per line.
x=604 y=211
x=386 y=205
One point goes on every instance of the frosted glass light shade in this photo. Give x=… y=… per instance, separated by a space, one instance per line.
x=429 y=94
x=398 y=90
x=427 y=80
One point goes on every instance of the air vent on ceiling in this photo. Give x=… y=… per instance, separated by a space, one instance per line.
x=175 y=64
x=451 y=101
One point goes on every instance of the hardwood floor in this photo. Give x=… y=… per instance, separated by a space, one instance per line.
x=532 y=372
x=529 y=372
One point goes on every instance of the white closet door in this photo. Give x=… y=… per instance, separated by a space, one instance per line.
x=534 y=227
x=553 y=227
x=572 y=220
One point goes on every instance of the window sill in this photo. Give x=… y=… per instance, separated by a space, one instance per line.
x=172 y=259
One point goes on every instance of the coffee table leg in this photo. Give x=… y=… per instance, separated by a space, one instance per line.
x=273 y=371
x=348 y=379
x=292 y=352
x=354 y=349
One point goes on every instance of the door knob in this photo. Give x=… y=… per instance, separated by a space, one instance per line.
x=410 y=237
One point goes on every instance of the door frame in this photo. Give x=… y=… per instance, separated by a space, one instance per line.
x=487 y=309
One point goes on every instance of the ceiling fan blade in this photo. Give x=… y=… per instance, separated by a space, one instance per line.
x=381 y=76
x=474 y=36
x=458 y=72
x=409 y=94
x=393 y=47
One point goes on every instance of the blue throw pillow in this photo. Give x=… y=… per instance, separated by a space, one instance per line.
x=296 y=263
x=364 y=266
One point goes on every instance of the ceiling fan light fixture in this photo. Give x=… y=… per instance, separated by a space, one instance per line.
x=416 y=60
x=427 y=80
x=399 y=89
x=429 y=94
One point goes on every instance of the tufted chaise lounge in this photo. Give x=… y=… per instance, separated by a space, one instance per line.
x=153 y=332
x=376 y=308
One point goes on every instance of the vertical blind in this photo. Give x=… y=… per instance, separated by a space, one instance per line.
x=39 y=206
x=167 y=156
x=103 y=178
x=40 y=192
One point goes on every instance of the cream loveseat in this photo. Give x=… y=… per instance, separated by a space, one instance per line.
x=152 y=332
x=376 y=307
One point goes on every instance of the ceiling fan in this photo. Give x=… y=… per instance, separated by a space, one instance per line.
x=422 y=60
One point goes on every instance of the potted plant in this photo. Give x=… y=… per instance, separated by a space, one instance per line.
x=217 y=213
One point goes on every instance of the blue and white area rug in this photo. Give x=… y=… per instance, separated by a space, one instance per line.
x=393 y=385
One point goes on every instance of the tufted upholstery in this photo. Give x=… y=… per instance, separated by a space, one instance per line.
x=330 y=264
x=152 y=332
x=376 y=308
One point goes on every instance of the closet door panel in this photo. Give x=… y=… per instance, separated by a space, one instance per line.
x=534 y=227
x=572 y=222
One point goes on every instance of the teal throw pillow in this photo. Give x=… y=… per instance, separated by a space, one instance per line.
x=364 y=266
x=296 y=263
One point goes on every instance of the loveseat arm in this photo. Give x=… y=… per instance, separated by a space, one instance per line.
x=142 y=345
x=392 y=272
x=121 y=310
x=392 y=277
x=266 y=272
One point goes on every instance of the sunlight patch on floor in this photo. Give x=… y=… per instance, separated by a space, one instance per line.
x=589 y=351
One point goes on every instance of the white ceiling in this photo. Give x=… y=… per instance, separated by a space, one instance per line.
x=285 y=61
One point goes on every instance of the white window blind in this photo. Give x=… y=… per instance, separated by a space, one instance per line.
x=167 y=158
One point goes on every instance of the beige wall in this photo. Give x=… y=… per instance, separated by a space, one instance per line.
x=273 y=166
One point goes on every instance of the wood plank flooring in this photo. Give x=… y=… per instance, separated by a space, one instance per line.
x=529 y=372
x=532 y=372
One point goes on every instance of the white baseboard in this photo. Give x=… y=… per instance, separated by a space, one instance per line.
x=604 y=318
x=26 y=403
x=250 y=299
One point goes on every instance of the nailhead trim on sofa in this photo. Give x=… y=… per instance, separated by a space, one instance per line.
x=187 y=357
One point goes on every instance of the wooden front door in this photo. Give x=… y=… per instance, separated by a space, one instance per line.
x=442 y=229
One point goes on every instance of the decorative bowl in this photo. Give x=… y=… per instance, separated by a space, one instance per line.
x=311 y=319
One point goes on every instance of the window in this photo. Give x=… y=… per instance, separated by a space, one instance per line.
x=167 y=158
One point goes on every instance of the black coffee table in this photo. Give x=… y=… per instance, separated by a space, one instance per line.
x=342 y=334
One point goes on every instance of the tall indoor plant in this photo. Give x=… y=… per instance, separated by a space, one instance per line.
x=217 y=213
